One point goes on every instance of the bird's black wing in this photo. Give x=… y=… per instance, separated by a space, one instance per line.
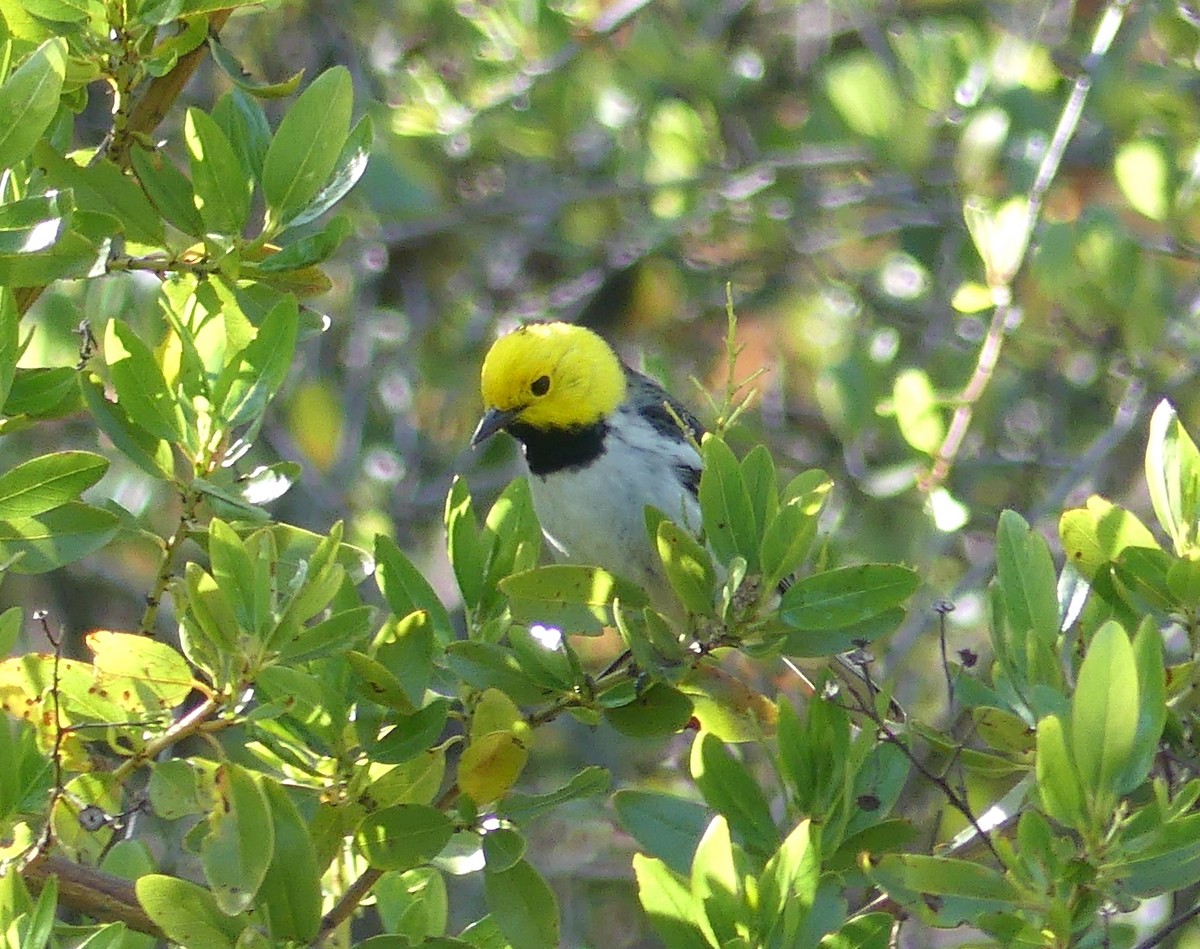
x=652 y=402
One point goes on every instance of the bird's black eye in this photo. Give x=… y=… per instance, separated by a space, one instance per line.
x=540 y=385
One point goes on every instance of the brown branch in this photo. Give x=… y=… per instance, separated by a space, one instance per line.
x=91 y=892
x=985 y=367
x=348 y=903
x=1108 y=24
x=161 y=94
x=190 y=724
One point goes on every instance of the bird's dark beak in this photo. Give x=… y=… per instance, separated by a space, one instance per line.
x=492 y=421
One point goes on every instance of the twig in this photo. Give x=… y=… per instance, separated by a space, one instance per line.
x=1169 y=929
x=190 y=724
x=91 y=892
x=989 y=353
x=953 y=798
x=166 y=569
x=56 y=640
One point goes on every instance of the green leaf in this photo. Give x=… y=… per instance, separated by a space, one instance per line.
x=377 y=684
x=717 y=886
x=151 y=454
x=416 y=781
x=44 y=239
x=918 y=411
x=846 y=595
x=1096 y=535
x=544 y=660
x=211 y=610
x=254 y=375
x=589 y=782
x=405 y=648
x=308 y=250
x=1152 y=705
x=156 y=667
x=61 y=536
x=468 y=549
x=46 y=482
x=10 y=341
x=40 y=921
x=1143 y=172
x=665 y=826
x=573 y=598
x=305 y=148
x=1161 y=861
x=41 y=393
x=868 y=931
x=290 y=894
x=788 y=885
x=29 y=100
x=412 y=734
x=10 y=631
x=514 y=522
x=229 y=65
x=406 y=589
x=1173 y=478
x=672 y=909
x=729 y=788
x=173 y=788
x=762 y=485
x=655 y=712
x=1058 y=782
x=944 y=876
x=168 y=189
x=237 y=849
x=222 y=190
x=688 y=567
x=865 y=96
x=350 y=166
x=141 y=388
x=502 y=848
x=403 y=836
x=1028 y=587
x=234 y=570
x=729 y=523
x=786 y=542
x=245 y=125
x=1104 y=716
x=102 y=187
x=187 y=913
x=486 y=666
x=523 y=906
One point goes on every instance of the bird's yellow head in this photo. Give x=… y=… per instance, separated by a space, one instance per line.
x=547 y=376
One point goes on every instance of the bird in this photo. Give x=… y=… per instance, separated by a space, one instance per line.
x=601 y=442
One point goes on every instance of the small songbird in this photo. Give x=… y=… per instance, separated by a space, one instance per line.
x=601 y=444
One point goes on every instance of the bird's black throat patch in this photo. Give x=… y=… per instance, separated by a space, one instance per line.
x=559 y=449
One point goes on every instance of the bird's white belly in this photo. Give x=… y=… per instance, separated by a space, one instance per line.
x=596 y=514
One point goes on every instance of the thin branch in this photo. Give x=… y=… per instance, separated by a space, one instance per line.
x=91 y=892
x=167 y=564
x=960 y=422
x=953 y=798
x=1169 y=929
x=191 y=723
x=1107 y=27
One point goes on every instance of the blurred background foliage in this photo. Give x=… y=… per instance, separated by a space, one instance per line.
x=619 y=164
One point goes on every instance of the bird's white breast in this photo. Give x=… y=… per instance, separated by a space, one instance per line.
x=595 y=514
